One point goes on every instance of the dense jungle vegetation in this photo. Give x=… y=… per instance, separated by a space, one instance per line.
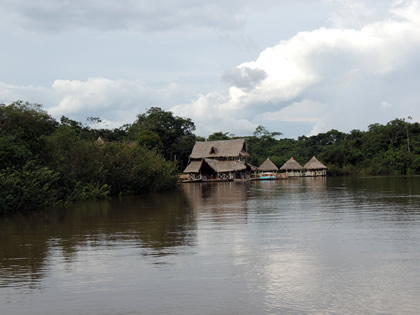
x=44 y=161
x=391 y=149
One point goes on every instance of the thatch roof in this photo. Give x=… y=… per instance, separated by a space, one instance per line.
x=314 y=164
x=216 y=165
x=225 y=166
x=291 y=165
x=268 y=166
x=218 y=149
x=100 y=140
x=194 y=167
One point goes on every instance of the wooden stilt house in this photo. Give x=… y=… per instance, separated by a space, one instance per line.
x=292 y=168
x=268 y=166
x=315 y=168
x=219 y=160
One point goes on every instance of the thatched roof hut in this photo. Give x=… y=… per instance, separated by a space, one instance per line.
x=219 y=149
x=291 y=165
x=268 y=166
x=315 y=164
x=100 y=140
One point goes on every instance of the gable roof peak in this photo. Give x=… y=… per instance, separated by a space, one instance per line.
x=291 y=165
x=268 y=166
x=315 y=164
x=219 y=148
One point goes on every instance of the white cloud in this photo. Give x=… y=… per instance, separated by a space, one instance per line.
x=93 y=94
x=331 y=77
x=305 y=111
x=116 y=102
x=343 y=72
x=10 y=93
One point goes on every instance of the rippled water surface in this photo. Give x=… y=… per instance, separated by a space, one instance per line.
x=309 y=245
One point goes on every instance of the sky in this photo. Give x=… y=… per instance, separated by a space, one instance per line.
x=296 y=67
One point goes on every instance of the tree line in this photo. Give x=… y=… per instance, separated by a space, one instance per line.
x=44 y=161
x=389 y=149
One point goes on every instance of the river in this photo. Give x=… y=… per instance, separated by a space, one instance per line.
x=307 y=245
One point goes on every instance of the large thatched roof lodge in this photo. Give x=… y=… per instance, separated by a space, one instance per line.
x=219 y=160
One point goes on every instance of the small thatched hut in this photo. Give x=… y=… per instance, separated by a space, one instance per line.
x=100 y=141
x=268 y=166
x=292 y=168
x=315 y=168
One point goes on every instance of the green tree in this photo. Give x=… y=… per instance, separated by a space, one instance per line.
x=22 y=130
x=149 y=139
x=262 y=132
x=172 y=131
x=218 y=136
x=43 y=162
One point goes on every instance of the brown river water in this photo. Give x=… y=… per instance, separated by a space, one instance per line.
x=309 y=245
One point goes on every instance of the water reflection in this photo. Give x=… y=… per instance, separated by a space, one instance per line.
x=154 y=223
x=304 y=245
x=396 y=199
x=224 y=202
x=334 y=245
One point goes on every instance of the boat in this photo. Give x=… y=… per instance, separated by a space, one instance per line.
x=266 y=176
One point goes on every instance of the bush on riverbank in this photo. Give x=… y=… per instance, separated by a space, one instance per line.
x=43 y=162
x=31 y=187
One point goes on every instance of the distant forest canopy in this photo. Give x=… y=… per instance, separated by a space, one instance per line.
x=44 y=161
x=390 y=149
